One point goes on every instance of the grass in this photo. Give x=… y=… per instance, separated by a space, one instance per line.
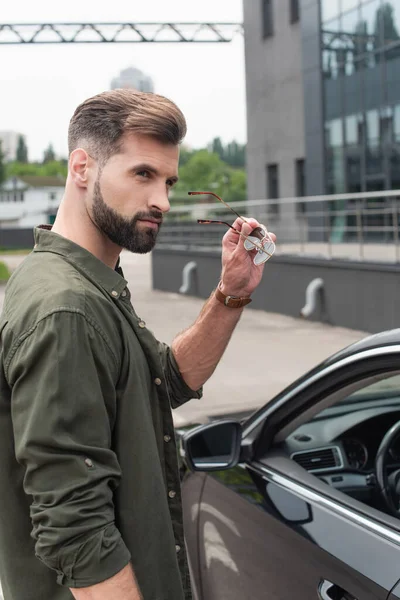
x=4 y=272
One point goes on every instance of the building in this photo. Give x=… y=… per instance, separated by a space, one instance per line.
x=9 y=144
x=133 y=78
x=30 y=201
x=323 y=97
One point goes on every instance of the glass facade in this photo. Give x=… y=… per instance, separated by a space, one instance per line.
x=361 y=84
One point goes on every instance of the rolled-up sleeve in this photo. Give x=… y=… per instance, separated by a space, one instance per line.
x=180 y=392
x=63 y=374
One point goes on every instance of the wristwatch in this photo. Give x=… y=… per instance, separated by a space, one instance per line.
x=231 y=301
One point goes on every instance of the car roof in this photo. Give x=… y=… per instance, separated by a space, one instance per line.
x=378 y=340
x=390 y=337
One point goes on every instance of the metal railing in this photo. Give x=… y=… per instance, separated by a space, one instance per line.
x=361 y=226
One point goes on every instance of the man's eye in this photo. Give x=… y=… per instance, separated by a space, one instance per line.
x=144 y=174
x=170 y=183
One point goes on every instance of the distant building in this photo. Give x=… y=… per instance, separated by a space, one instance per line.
x=133 y=78
x=323 y=98
x=30 y=201
x=9 y=144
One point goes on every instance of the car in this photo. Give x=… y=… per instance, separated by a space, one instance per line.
x=302 y=499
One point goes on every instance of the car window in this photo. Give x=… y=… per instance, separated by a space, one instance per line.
x=339 y=445
x=385 y=388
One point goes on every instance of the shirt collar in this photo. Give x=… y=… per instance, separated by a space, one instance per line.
x=111 y=280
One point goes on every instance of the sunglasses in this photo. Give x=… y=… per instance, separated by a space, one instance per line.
x=258 y=239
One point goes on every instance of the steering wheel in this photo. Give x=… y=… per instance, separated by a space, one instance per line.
x=389 y=486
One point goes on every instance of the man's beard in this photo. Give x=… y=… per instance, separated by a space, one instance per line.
x=122 y=231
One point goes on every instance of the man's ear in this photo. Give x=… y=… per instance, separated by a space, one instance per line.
x=79 y=166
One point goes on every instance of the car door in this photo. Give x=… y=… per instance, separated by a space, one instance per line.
x=269 y=529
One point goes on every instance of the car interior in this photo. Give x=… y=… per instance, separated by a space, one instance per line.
x=350 y=441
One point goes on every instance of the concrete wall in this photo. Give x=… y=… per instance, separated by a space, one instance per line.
x=361 y=296
x=275 y=109
x=16 y=238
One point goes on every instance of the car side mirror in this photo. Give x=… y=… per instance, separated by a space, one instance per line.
x=213 y=447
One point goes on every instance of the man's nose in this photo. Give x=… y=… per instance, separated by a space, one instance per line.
x=161 y=202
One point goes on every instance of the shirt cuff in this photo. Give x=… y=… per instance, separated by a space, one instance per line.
x=181 y=392
x=100 y=557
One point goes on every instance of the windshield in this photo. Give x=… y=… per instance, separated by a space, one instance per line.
x=385 y=389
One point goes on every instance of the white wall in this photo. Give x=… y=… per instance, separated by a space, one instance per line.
x=34 y=209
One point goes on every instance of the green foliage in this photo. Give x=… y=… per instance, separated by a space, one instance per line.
x=184 y=156
x=206 y=171
x=55 y=167
x=236 y=187
x=3 y=174
x=200 y=169
x=4 y=272
x=49 y=154
x=22 y=150
x=233 y=154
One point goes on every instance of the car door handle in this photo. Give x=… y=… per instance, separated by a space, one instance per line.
x=330 y=591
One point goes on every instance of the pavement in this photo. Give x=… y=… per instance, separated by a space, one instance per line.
x=267 y=351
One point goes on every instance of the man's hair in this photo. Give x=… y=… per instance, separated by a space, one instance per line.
x=99 y=123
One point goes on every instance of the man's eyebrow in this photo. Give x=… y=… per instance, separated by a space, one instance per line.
x=151 y=169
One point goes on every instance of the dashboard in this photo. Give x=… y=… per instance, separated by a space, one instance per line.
x=340 y=445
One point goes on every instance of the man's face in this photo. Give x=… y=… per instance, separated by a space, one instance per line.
x=130 y=194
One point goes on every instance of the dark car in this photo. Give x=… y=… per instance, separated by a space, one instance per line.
x=302 y=500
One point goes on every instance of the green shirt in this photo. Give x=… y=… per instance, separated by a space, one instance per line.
x=88 y=464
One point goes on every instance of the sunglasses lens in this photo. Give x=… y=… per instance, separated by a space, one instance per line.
x=258 y=234
x=262 y=257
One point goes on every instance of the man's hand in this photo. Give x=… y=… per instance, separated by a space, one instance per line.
x=240 y=276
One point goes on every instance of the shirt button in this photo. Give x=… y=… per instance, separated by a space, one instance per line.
x=172 y=494
x=142 y=324
x=114 y=293
x=123 y=294
x=167 y=438
x=88 y=462
x=157 y=381
x=177 y=548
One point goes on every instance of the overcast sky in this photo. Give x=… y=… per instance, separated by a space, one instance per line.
x=40 y=85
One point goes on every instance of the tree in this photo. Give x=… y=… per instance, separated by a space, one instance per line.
x=360 y=46
x=53 y=168
x=2 y=166
x=235 y=154
x=217 y=147
x=184 y=155
x=386 y=32
x=237 y=186
x=22 y=150
x=49 y=154
x=204 y=171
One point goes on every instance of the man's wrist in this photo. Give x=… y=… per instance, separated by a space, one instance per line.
x=229 y=299
x=230 y=291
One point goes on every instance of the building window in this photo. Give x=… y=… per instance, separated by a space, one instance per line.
x=300 y=183
x=267 y=23
x=273 y=187
x=294 y=11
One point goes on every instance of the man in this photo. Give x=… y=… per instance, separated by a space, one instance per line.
x=89 y=479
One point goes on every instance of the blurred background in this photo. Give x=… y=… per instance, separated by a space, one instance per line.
x=293 y=111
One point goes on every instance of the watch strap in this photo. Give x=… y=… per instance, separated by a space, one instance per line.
x=231 y=301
